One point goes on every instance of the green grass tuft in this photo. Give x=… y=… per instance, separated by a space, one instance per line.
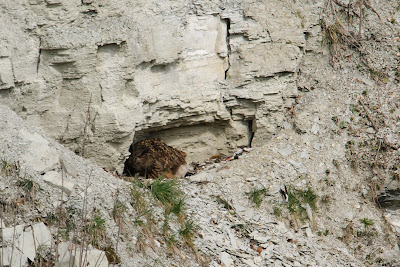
x=256 y=195
x=167 y=192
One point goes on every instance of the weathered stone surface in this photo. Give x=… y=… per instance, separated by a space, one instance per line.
x=98 y=76
x=21 y=244
x=56 y=179
x=70 y=256
x=38 y=154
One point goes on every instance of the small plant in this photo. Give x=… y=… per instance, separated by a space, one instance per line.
x=26 y=184
x=343 y=125
x=43 y=257
x=188 y=230
x=354 y=108
x=112 y=255
x=9 y=169
x=96 y=228
x=118 y=210
x=224 y=202
x=298 y=199
x=294 y=204
x=324 y=233
x=171 y=240
x=309 y=197
x=349 y=144
x=167 y=192
x=277 y=212
x=256 y=195
x=367 y=222
x=178 y=207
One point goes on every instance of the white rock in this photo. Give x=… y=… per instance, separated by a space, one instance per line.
x=201 y=177
x=68 y=166
x=33 y=238
x=2 y=224
x=286 y=151
x=304 y=155
x=38 y=155
x=257 y=260
x=56 y=179
x=251 y=179
x=226 y=259
x=13 y=257
x=69 y=253
x=318 y=146
x=287 y=125
x=240 y=208
x=315 y=129
x=11 y=233
x=309 y=232
x=249 y=262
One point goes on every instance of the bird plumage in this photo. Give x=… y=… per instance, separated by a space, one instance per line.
x=153 y=157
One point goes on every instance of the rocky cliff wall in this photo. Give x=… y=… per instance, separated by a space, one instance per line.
x=202 y=75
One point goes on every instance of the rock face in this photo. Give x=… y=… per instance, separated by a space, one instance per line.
x=204 y=76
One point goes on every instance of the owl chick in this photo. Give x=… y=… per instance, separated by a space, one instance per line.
x=153 y=157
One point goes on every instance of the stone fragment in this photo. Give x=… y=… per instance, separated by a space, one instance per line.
x=28 y=241
x=249 y=262
x=39 y=155
x=8 y=233
x=6 y=73
x=12 y=257
x=70 y=256
x=201 y=177
x=318 y=146
x=251 y=179
x=304 y=155
x=286 y=151
x=226 y=259
x=315 y=128
x=54 y=178
x=68 y=166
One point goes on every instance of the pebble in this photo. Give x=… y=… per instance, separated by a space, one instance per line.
x=304 y=155
x=286 y=151
x=226 y=259
x=318 y=146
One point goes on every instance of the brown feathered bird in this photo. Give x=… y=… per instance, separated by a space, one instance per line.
x=153 y=157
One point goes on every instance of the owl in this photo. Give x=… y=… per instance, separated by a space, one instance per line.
x=153 y=157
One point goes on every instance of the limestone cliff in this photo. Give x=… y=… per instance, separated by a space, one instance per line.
x=202 y=75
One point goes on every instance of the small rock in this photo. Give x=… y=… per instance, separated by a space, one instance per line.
x=249 y=262
x=201 y=177
x=39 y=155
x=249 y=213
x=2 y=224
x=286 y=151
x=251 y=179
x=309 y=232
x=69 y=254
x=10 y=232
x=318 y=146
x=304 y=155
x=68 y=166
x=13 y=257
x=55 y=179
x=257 y=260
x=315 y=129
x=226 y=259
x=287 y=125
x=240 y=208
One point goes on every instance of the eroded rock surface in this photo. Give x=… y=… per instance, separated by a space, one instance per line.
x=203 y=76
